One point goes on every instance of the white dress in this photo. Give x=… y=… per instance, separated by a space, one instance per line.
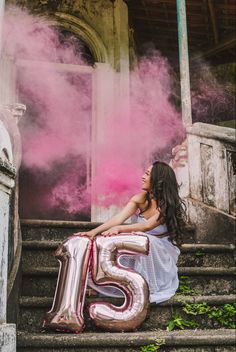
x=158 y=268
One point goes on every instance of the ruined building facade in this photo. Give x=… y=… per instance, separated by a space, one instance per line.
x=207 y=177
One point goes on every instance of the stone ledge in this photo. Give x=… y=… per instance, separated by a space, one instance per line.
x=208 y=247
x=177 y=300
x=206 y=130
x=223 y=337
x=185 y=248
x=52 y=271
x=87 y=225
x=58 y=223
x=7 y=168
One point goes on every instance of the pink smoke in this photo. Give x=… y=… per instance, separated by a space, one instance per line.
x=212 y=101
x=58 y=129
x=134 y=139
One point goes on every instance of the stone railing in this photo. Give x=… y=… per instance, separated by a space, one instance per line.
x=7 y=182
x=10 y=116
x=212 y=181
x=10 y=242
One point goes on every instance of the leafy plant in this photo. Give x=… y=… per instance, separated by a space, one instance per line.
x=149 y=348
x=185 y=286
x=153 y=347
x=199 y=253
x=196 y=308
x=224 y=316
x=178 y=322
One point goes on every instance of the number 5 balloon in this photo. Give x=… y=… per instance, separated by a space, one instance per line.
x=107 y=271
x=74 y=255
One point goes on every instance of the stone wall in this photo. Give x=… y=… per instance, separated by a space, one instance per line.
x=7 y=338
x=212 y=179
x=7 y=175
x=106 y=19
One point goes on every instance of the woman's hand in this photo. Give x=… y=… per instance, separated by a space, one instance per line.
x=112 y=231
x=90 y=234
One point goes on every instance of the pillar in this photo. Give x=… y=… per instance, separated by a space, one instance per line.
x=7 y=176
x=184 y=63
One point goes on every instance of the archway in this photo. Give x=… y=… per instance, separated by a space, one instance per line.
x=38 y=184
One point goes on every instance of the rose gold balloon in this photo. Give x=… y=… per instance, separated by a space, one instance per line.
x=66 y=314
x=106 y=271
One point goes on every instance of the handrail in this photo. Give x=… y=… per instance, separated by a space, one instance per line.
x=206 y=130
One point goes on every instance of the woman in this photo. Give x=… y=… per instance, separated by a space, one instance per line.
x=160 y=215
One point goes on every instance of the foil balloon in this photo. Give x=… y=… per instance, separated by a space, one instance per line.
x=107 y=270
x=66 y=314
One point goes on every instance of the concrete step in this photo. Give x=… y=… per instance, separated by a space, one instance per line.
x=33 y=309
x=41 y=253
x=219 y=340
x=49 y=230
x=41 y=281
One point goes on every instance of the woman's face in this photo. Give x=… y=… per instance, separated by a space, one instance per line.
x=146 y=179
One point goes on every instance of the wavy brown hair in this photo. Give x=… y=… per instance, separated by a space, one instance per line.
x=164 y=189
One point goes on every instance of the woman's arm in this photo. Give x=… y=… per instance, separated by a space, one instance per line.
x=148 y=225
x=118 y=219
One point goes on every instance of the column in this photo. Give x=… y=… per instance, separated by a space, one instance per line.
x=7 y=176
x=184 y=63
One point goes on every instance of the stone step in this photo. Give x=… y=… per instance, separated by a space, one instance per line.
x=41 y=281
x=50 y=230
x=219 y=340
x=41 y=253
x=33 y=309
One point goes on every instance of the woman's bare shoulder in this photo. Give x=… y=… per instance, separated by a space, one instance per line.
x=139 y=198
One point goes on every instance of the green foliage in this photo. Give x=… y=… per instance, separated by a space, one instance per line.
x=224 y=316
x=185 y=286
x=149 y=348
x=178 y=322
x=153 y=347
x=199 y=253
x=196 y=308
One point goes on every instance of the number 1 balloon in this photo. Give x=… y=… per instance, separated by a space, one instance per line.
x=107 y=271
x=74 y=255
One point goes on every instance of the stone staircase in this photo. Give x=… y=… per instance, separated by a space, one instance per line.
x=206 y=274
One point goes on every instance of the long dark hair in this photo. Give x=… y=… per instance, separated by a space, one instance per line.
x=164 y=189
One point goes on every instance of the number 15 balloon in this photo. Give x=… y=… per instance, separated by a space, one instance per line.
x=75 y=255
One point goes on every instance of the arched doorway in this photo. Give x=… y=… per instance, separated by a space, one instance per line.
x=55 y=176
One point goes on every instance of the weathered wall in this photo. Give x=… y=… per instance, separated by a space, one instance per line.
x=212 y=175
x=7 y=338
x=7 y=175
x=108 y=19
x=7 y=81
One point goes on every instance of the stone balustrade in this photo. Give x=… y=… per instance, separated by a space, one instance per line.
x=212 y=176
x=7 y=181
